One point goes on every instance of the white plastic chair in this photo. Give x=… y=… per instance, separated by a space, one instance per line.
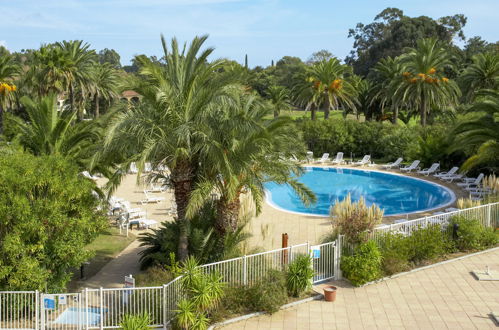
x=394 y=164
x=428 y=171
x=339 y=159
x=413 y=166
x=363 y=161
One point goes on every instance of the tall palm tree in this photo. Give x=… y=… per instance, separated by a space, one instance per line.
x=331 y=85
x=50 y=131
x=425 y=85
x=8 y=71
x=76 y=70
x=388 y=76
x=478 y=133
x=246 y=151
x=483 y=73
x=46 y=73
x=104 y=80
x=279 y=98
x=168 y=127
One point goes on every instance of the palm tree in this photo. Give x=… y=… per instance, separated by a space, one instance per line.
x=279 y=98
x=46 y=74
x=331 y=85
x=8 y=71
x=483 y=73
x=76 y=70
x=388 y=76
x=478 y=133
x=425 y=85
x=245 y=151
x=104 y=81
x=50 y=131
x=167 y=127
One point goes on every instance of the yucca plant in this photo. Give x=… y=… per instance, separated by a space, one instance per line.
x=299 y=275
x=136 y=322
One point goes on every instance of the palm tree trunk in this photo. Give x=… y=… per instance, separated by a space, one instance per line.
x=326 y=106
x=395 y=115
x=423 y=110
x=72 y=98
x=227 y=215
x=276 y=113
x=97 y=105
x=313 y=113
x=182 y=181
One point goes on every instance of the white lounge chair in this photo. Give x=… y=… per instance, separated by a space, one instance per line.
x=151 y=199
x=394 y=164
x=428 y=171
x=156 y=189
x=413 y=166
x=450 y=178
x=324 y=158
x=143 y=222
x=133 y=168
x=470 y=182
x=364 y=161
x=339 y=159
x=87 y=175
x=449 y=173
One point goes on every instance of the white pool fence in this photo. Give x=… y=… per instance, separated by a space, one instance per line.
x=104 y=308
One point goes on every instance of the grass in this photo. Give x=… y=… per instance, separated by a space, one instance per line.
x=105 y=247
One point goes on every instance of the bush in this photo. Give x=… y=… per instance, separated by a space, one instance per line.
x=428 y=243
x=269 y=294
x=364 y=265
x=396 y=253
x=154 y=276
x=47 y=217
x=354 y=219
x=299 y=275
x=135 y=322
x=472 y=235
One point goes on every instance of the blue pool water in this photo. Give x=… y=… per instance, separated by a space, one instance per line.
x=75 y=315
x=395 y=194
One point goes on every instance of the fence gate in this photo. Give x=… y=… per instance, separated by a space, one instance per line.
x=19 y=310
x=326 y=261
x=62 y=311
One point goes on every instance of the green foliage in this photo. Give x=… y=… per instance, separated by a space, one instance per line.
x=364 y=265
x=47 y=216
x=203 y=292
x=269 y=294
x=204 y=243
x=380 y=140
x=299 y=275
x=395 y=252
x=472 y=235
x=135 y=322
x=428 y=243
x=154 y=276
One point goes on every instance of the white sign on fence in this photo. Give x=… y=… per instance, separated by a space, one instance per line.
x=316 y=252
x=61 y=299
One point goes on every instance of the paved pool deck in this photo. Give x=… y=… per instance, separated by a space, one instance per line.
x=446 y=296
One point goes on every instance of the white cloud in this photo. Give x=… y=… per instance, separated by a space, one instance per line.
x=3 y=43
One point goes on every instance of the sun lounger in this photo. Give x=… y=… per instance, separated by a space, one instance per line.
x=87 y=175
x=151 y=199
x=310 y=156
x=339 y=159
x=428 y=171
x=394 y=164
x=471 y=182
x=324 y=158
x=413 y=166
x=443 y=175
x=364 y=161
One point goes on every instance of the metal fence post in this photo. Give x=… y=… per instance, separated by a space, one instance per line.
x=86 y=308
x=164 y=306
x=101 y=303
x=245 y=271
x=37 y=308
x=488 y=216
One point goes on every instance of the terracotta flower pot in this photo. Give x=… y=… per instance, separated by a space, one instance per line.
x=330 y=293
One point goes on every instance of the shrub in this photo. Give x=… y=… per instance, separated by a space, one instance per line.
x=154 y=276
x=135 y=322
x=472 y=235
x=268 y=294
x=364 y=265
x=395 y=251
x=428 y=243
x=47 y=217
x=299 y=275
x=354 y=219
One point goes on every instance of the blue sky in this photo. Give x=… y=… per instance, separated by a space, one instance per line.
x=263 y=29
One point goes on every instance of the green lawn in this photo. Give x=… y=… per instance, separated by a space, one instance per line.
x=105 y=247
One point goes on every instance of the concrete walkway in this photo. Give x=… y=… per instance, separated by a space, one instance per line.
x=443 y=297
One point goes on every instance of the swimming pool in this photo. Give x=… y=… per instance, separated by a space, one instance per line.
x=395 y=194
